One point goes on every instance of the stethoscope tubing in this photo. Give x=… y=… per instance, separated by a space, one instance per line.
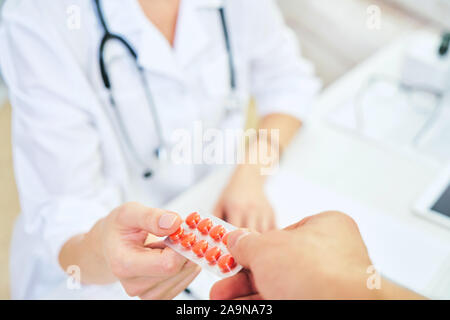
x=109 y=36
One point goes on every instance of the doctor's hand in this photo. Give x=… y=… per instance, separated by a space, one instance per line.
x=244 y=204
x=321 y=257
x=124 y=246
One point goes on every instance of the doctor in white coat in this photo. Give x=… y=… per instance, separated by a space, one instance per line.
x=98 y=88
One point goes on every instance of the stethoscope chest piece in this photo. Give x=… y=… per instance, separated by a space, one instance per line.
x=161 y=163
x=233 y=103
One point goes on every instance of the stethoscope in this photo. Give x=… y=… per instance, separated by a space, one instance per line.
x=161 y=151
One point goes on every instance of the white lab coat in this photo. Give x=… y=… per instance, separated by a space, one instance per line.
x=70 y=166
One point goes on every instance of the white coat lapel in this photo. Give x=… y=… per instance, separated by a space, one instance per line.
x=192 y=38
x=126 y=18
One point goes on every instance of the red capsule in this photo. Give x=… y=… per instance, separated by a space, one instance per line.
x=188 y=240
x=217 y=232
x=200 y=248
x=177 y=235
x=204 y=226
x=193 y=219
x=226 y=263
x=225 y=238
x=213 y=254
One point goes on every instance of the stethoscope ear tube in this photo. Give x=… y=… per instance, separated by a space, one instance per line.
x=147 y=172
x=103 y=72
x=105 y=39
x=108 y=36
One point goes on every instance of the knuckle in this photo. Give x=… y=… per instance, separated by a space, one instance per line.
x=148 y=220
x=123 y=211
x=233 y=206
x=169 y=266
x=342 y=217
x=119 y=267
x=129 y=206
x=237 y=204
x=150 y=296
x=335 y=214
x=273 y=238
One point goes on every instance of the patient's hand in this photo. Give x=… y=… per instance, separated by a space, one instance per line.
x=321 y=257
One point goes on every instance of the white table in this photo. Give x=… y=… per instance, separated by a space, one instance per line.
x=350 y=166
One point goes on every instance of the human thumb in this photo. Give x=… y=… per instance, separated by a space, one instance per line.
x=243 y=246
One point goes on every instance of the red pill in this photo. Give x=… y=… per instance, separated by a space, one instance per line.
x=204 y=226
x=213 y=254
x=217 y=232
x=226 y=263
x=200 y=248
x=177 y=235
x=188 y=240
x=225 y=239
x=193 y=219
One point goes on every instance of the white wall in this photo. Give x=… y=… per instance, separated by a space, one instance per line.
x=437 y=10
x=334 y=34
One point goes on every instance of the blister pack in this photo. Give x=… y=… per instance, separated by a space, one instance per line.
x=203 y=240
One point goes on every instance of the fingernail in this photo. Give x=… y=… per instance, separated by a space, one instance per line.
x=167 y=220
x=236 y=236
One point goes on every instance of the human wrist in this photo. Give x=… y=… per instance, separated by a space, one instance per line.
x=95 y=241
x=352 y=284
x=249 y=173
x=393 y=291
x=87 y=252
x=385 y=290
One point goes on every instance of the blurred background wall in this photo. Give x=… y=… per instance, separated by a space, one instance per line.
x=334 y=36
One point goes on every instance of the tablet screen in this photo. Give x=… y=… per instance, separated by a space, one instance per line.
x=443 y=204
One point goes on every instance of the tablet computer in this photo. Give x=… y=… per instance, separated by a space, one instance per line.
x=434 y=204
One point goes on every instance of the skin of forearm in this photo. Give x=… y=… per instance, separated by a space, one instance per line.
x=356 y=289
x=85 y=251
x=287 y=127
x=392 y=291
